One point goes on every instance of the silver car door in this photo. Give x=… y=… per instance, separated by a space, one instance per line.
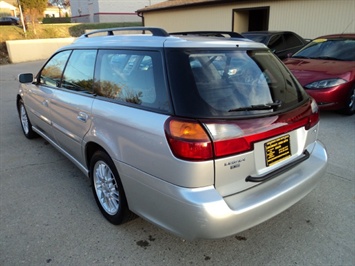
x=71 y=103
x=39 y=93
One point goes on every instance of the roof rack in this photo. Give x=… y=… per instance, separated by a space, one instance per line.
x=231 y=34
x=155 y=31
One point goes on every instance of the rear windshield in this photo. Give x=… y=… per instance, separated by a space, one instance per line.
x=230 y=83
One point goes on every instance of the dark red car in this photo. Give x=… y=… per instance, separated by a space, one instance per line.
x=326 y=69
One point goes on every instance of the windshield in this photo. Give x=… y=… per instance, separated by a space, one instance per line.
x=230 y=83
x=332 y=49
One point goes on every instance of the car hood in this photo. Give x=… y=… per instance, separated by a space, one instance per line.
x=310 y=70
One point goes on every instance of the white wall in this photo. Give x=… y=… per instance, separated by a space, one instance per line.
x=41 y=49
x=108 y=10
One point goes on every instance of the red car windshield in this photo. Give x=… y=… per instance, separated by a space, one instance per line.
x=332 y=49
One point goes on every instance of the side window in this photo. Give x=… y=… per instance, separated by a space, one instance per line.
x=134 y=77
x=52 y=71
x=79 y=72
x=276 y=43
x=291 y=40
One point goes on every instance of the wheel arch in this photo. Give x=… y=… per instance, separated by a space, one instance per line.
x=349 y=108
x=90 y=149
x=18 y=99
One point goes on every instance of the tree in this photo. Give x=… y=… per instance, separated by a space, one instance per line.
x=33 y=9
x=61 y=4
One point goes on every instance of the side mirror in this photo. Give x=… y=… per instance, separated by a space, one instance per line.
x=289 y=55
x=25 y=78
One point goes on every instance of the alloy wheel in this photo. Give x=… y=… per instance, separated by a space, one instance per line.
x=24 y=119
x=106 y=188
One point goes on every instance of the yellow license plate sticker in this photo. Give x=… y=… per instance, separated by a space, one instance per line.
x=277 y=150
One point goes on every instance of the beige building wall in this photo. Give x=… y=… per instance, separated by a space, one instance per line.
x=191 y=19
x=312 y=18
x=309 y=18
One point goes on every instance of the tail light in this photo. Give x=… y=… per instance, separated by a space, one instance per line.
x=188 y=139
x=205 y=140
x=314 y=116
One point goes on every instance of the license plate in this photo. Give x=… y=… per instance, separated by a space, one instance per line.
x=277 y=150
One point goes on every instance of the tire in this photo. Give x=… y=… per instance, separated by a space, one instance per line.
x=350 y=106
x=25 y=121
x=108 y=190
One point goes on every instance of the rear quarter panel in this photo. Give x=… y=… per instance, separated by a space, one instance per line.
x=136 y=138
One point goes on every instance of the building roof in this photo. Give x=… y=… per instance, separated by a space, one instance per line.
x=6 y=5
x=180 y=3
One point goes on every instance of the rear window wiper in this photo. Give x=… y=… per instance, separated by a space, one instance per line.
x=258 y=107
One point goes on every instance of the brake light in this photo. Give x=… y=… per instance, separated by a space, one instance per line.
x=188 y=139
x=205 y=140
x=314 y=117
x=252 y=134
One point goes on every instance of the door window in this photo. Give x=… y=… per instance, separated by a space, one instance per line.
x=291 y=40
x=79 y=72
x=51 y=74
x=276 y=43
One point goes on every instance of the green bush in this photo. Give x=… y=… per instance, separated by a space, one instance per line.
x=56 y=20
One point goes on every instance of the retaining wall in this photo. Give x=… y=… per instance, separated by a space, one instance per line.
x=31 y=50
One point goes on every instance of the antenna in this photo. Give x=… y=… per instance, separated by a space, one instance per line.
x=348 y=26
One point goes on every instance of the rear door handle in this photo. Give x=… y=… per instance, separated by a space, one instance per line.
x=83 y=117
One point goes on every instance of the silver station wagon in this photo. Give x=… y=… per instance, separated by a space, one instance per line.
x=205 y=135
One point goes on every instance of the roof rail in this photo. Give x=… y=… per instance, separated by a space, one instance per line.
x=110 y=31
x=231 y=34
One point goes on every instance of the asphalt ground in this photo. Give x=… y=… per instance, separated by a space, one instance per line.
x=48 y=215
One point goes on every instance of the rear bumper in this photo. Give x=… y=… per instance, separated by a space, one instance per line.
x=203 y=213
